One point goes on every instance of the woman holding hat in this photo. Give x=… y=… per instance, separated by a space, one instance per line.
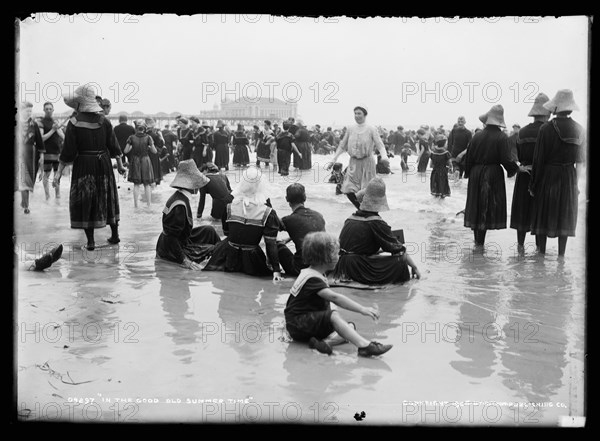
x=30 y=157
x=179 y=241
x=141 y=171
x=89 y=144
x=241 y=143
x=486 y=154
x=250 y=218
x=557 y=158
x=364 y=235
x=520 y=215
x=441 y=162
x=359 y=142
x=221 y=140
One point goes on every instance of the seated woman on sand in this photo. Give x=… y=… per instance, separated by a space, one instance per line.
x=362 y=237
x=250 y=218
x=179 y=241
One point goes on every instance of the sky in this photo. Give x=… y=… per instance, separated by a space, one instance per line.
x=406 y=71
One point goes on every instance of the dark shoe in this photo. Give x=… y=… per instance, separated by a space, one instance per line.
x=320 y=346
x=26 y=211
x=91 y=246
x=374 y=348
x=56 y=253
x=43 y=262
x=113 y=240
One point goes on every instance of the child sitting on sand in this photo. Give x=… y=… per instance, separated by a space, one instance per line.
x=308 y=312
x=383 y=166
x=337 y=177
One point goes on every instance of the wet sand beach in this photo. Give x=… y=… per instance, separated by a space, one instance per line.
x=491 y=337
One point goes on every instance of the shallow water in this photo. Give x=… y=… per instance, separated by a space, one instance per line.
x=486 y=337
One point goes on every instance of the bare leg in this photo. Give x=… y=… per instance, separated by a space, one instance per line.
x=562 y=245
x=347 y=331
x=353 y=199
x=136 y=193
x=148 y=191
x=410 y=262
x=46 y=182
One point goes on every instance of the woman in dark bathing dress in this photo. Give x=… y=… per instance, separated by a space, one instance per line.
x=557 y=158
x=487 y=154
x=520 y=216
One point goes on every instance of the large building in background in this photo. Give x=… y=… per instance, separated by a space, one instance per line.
x=253 y=108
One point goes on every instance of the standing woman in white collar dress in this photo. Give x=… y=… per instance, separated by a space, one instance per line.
x=360 y=142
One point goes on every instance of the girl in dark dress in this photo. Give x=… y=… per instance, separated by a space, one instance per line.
x=221 y=140
x=89 y=144
x=250 y=218
x=486 y=154
x=202 y=153
x=302 y=161
x=520 y=215
x=362 y=237
x=159 y=143
x=441 y=162
x=30 y=157
x=141 y=171
x=423 y=151
x=179 y=241
x=241 y=157
x=558 y=153
x=308 y=313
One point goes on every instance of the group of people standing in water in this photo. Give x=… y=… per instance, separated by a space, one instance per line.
x=549 y=155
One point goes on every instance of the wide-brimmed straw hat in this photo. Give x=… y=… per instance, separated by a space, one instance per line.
x=373 y=197
x=538 y=108
x=494 y=116
x=253 y=186
x=188 y=176
x=562 y=102
x=83 y=99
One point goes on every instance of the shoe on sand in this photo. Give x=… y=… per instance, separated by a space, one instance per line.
x=56 y=253
x=42 y=263
x=320 y=346
x=374 y=348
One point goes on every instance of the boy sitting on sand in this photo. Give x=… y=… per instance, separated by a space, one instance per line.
x=308 y=312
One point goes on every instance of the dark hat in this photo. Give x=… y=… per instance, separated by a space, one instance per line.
x=105 y=102
x=267 y=122
x=183 y=120
x=196 y=120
